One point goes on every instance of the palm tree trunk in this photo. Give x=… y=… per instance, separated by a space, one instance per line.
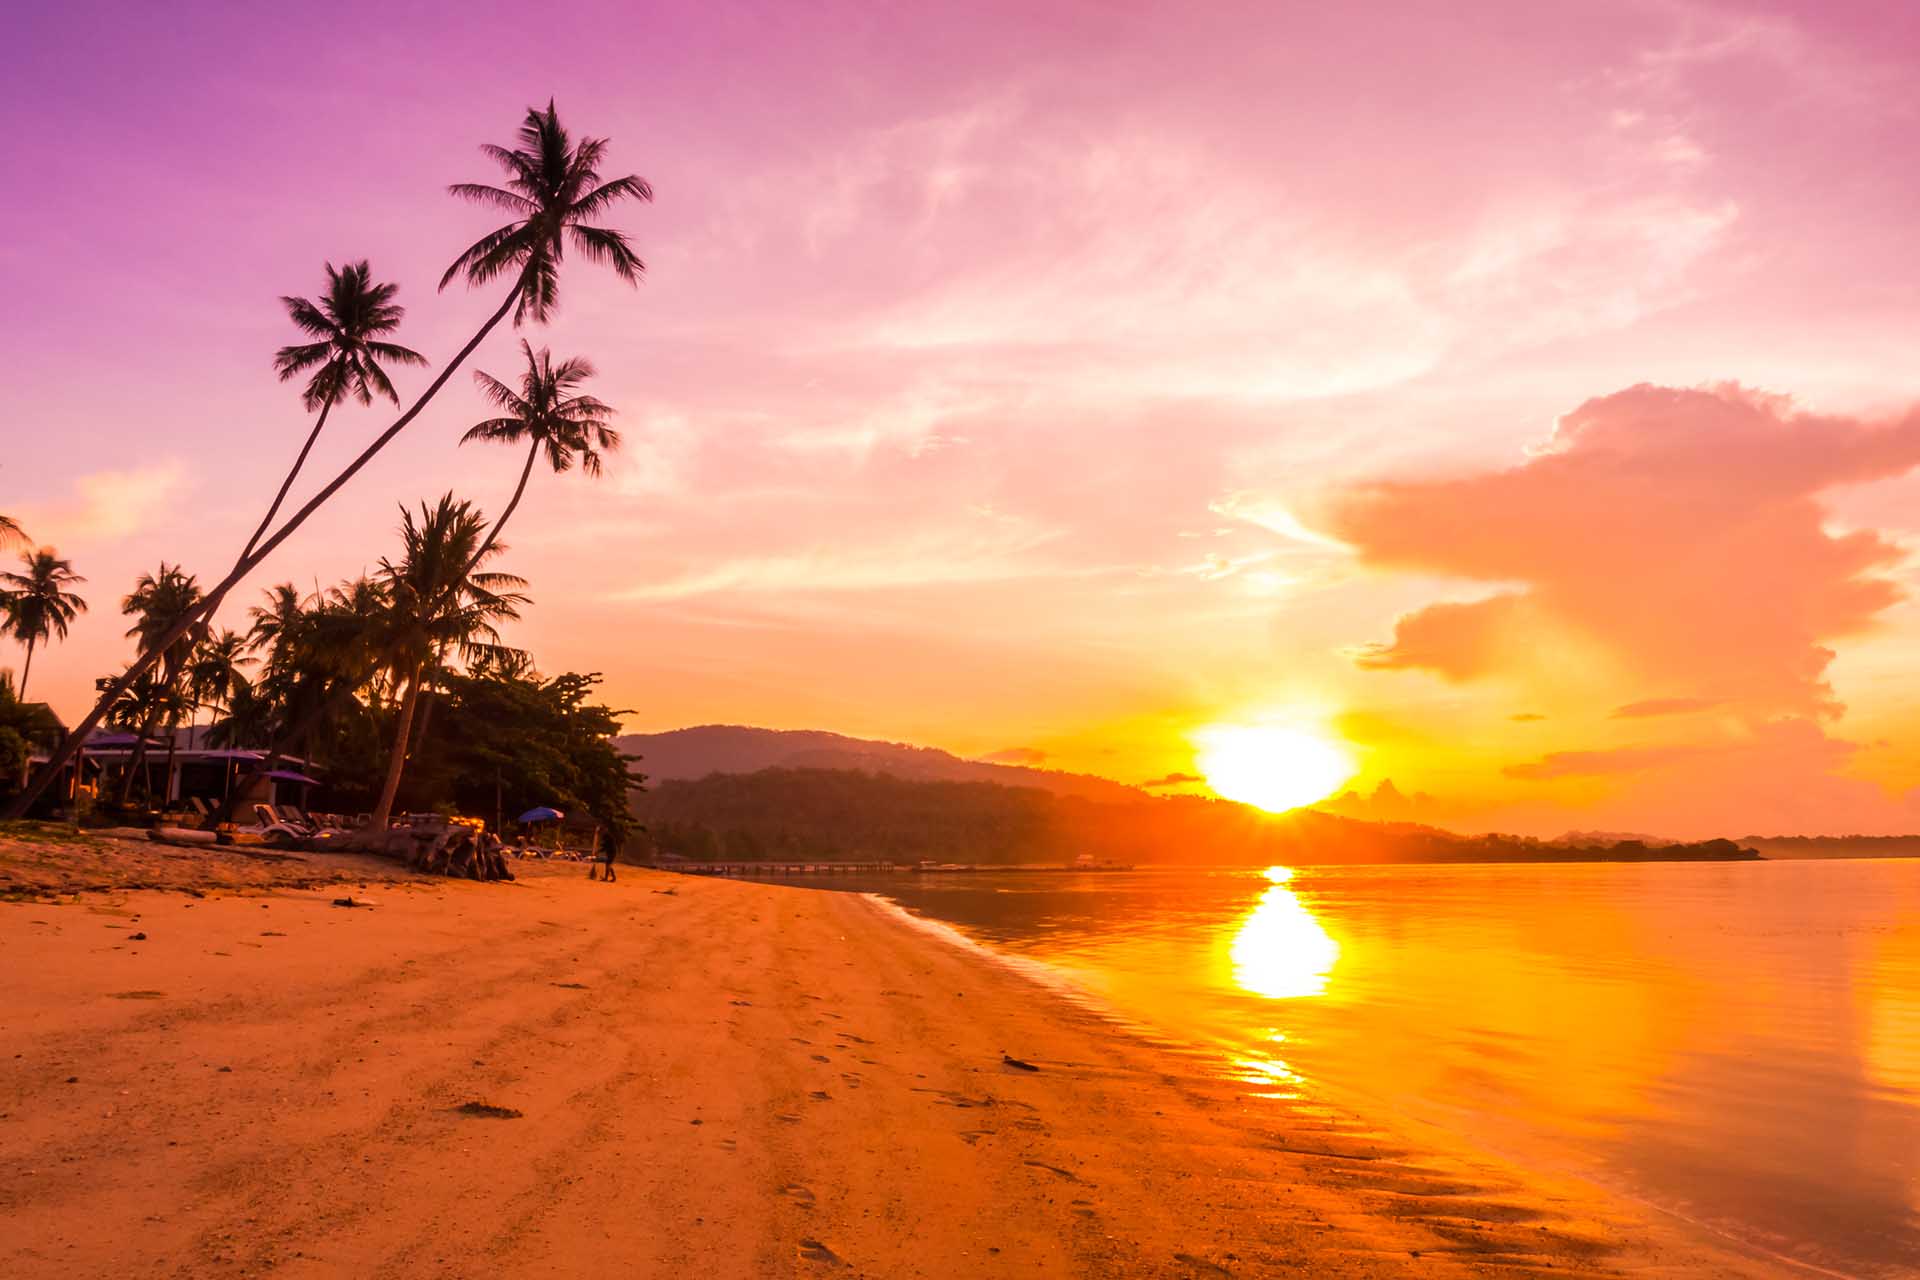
x=287 y=484
x=493 y=534
x=247 y=564
x=427 y=704
x=397 y=762
x=137 y=757
x=26 y=671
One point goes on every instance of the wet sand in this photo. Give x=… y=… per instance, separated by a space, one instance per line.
x=694 y=1077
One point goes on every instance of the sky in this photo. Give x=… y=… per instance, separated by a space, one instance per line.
x=1519 y=396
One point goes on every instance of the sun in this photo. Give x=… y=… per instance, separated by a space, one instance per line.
x=1272 y=767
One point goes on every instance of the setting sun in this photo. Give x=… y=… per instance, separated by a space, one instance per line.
x=1272 y=767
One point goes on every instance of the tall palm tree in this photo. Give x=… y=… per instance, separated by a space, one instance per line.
x=550 y=415
x=436 y=600
x=36 y=605
x=158 y=604
x=345 y=356
x=553 y=188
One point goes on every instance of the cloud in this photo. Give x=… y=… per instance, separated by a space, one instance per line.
x=1784 y=775
x=106 y=505
x=1681 y=531
x=1663 y=707
x=1526 y=717
x=1458 y=641
x=1598 y=764
x=1173 y=780
x=1027 y=757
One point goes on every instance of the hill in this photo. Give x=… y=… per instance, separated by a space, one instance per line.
x=827 y=814
x=729 y=748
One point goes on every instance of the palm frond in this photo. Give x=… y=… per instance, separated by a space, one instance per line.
x=481 y=193
x=611 y=248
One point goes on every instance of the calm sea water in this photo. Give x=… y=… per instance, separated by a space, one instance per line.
x=1737 y=1043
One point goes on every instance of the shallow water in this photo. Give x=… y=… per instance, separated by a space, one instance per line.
x=1736 y=1043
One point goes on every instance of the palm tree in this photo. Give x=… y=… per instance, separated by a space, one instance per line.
x=158 y=604
x=553 y=188
x=276 y=626
x=37 y=605
x=325 y=650
x=11 y=534
x=214 y=677
x=549 y=414
x=436 y=600
x=345 y=356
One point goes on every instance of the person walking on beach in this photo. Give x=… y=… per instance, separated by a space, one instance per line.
x=605 y=864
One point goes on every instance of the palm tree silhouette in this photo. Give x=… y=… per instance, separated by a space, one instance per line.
x=553 y=188
x=549 y=414
x=165 y=609
x=436 y=600
x=36 y=605
x=345 y=356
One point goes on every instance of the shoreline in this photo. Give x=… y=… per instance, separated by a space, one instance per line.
x=744 y=1079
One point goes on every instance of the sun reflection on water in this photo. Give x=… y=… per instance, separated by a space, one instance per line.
x=1280 y=951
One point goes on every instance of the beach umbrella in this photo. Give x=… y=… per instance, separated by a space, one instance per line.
x=542 y=814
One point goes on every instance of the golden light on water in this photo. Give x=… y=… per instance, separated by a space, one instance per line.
x=1272 y=767
x=1280 y=950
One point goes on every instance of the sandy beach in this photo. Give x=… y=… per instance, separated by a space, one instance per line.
x=671 y=1076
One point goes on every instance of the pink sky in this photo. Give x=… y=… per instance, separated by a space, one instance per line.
x=1068 y=378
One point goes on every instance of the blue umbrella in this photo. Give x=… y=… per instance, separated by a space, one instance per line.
x=542 y=814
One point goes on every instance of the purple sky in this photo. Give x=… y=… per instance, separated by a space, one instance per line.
x=1008 y=376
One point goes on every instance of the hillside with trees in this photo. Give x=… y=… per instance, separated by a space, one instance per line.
x=732 y=748
x=828 y=814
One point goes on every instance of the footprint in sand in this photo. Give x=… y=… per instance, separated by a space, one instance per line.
x=788 y=1117
x=1084 y=1208
x=851 y=1078
x=814 y=1251
x=800 y=1195
x=1201 y=1265
x=820 y=1057
x=1056 y=1170
x=821 y=1095
x=972 y=1136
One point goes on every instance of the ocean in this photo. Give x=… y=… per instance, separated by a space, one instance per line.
x=1737 y=1044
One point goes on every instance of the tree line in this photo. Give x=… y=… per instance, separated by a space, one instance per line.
x=846 y=815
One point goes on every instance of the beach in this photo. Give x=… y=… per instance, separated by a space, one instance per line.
x=674 y=1075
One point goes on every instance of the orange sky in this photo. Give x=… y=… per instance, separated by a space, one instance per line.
x=1059 y=384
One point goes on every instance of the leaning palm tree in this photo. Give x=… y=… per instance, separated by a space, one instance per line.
x=436 y=600
x=550 y=415
x=36 y=606
x=553 y=188
x=345 y=356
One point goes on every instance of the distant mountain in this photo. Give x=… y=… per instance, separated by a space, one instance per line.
x=685 y=754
